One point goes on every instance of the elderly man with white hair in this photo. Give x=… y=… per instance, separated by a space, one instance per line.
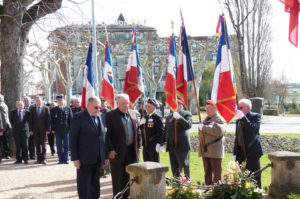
x=247 y=145
x=124 y=141
x=4 y=125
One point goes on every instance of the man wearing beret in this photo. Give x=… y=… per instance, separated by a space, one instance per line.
x=178 y=140
x=61 y=116
x=153 y=136
x=213 y=129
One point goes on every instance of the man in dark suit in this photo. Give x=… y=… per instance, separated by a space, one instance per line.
x=39 y=126
x=124 y=141
x=88 y=149
x=178 y=142
x=19 y=119
x=31 y=147
x=247 y=145
x=61 y=116
x=153 y=136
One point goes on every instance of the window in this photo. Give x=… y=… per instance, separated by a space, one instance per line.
x=127 y=36
x=141 y=35
x=114 y=62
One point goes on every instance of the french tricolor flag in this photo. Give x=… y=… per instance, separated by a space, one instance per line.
x=88 y=89
x=185 y=73
x=107 y=91
x=170 y=86
x=224 y=91
x=134 y=85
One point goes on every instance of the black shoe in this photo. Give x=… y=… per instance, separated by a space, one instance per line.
x=25 y=161
x=67 y=162
x=0 y=160
x=60 y=162
x=44 y=162
x=32 y=158
x=18 y=162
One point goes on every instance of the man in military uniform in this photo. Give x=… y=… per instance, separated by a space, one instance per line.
x=61 y=116
x=153 y=136
x=178 y=140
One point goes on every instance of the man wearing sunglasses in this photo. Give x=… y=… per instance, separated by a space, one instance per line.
x=247 y=145
x=88 y=151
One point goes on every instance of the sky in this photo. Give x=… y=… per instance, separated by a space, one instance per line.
x=200 y=17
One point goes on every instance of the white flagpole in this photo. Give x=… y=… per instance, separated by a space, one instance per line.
x=94 y=49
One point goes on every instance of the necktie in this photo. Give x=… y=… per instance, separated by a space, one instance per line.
x=124 y=115
x=20 y=116
x=95 y=120
x=38 y=111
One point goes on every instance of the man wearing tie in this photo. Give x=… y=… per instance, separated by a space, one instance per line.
x=88 y=150
x=31 y=147
x=39 y=126
x=19 y=119
x=61 y=116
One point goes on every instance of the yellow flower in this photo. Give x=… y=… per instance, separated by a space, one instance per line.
x=171 y=192
x=247 y=185
x=250 y=193
x=198 y=192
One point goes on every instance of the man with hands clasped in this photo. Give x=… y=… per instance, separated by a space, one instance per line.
x=247 y=145
x=153 y=136
x=212 y=153
x=178 y=140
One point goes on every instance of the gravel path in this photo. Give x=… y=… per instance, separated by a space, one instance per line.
x=55 y=181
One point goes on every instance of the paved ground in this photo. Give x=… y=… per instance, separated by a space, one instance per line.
x=271 y=124
x=56 y=181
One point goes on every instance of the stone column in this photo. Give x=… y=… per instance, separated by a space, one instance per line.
x=285 y=174
x=150 y=180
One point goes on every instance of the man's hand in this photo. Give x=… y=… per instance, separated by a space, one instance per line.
x=106 y=162
x=47 y=132
x=112 y=154
x=143 y=121
x=240 y=114
x=176 y=115
x=157 y=148
x=138 y=152
x=1 y=133
x=200 y=127
x=31 y=132
x=77 y=164
x=53 y=132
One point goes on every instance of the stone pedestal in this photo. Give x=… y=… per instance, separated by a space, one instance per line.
x=285 y=174
x=150 y=180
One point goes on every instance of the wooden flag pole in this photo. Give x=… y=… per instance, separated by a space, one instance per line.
x=175 y=121
x=90 y=36
x=195 y=92
x=106 y=35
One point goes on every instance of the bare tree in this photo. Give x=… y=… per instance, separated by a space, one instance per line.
x=250 y=19
x=16 y=20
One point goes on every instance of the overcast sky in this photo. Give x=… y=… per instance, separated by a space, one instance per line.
x=201 y=17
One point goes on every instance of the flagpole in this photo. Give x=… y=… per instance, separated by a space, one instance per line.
x=175 y=121
x=94 y=48
x=195 y=92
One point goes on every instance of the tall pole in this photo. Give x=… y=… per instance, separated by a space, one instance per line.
x=95 y=49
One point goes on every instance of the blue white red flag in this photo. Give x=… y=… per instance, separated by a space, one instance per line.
x=224 y=90
x=185 y=72
x=107 y=91
x=88 y=89
x=134 y=85
x=170 y=86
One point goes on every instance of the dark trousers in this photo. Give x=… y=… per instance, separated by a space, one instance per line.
x=150 y=154
x=178 y=163
x=118 y=174
x=40 y=145
x=212 y=170
x=88 y=181
x=31 y=147
x=21 y=147
x=51 y=142
x=5 y=142
x=62 y=145
x=253 y=164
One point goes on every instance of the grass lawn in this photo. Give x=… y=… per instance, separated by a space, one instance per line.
x=197 y=171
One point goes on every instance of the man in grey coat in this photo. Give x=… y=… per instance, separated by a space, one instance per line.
x=212 y=129
x=4 y=126
x=178 y=141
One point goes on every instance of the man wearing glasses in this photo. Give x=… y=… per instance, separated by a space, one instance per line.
x=247 y=145
x=88 y=151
